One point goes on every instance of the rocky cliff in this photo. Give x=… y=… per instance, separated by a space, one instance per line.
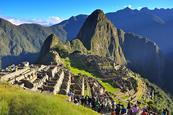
x=143 y=56
x=100 y=37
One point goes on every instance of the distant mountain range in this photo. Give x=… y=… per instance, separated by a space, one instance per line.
x=155 y=24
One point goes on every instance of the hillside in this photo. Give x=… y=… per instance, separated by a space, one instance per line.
x=126 y=84
x=23 y=42
x=16 y=101
x=124 y=48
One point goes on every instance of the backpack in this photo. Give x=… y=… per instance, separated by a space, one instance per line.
x=123 y=111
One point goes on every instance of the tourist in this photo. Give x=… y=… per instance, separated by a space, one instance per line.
x=129 y=105
x=102 y=108
x=113 y=112
x=123 y=110
x=144 y=112
x=90 y=102
x=69 y=96
x=129 y=112
x=167 y=111
x=164 y=112
x=82 y=100
x=75 y=100
x=135 y=110
x=113 y=104
x=96 y=105
x=93 y=103
x=118 y=109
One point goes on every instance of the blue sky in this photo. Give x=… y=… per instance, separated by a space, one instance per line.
x=42 y=10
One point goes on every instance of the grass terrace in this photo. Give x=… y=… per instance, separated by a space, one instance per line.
x=16 y=101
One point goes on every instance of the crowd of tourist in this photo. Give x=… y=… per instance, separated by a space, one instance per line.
x=131 y=110
x=135 y=110
x=102 y=104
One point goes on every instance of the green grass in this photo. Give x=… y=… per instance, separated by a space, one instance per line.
x=16 y=101
x=77 y=71
x=109 y=87
x=88 y=90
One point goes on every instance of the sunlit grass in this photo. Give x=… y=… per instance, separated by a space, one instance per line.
x=77 y=71
x=16 y=101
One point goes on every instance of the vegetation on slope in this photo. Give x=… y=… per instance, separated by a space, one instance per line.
x=157 y=102
x=16 y=101
x=77 y=71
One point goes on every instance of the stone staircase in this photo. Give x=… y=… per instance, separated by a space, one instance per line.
x=66 y=83
x=76 y=85
x=53 y=84
x=38 y=83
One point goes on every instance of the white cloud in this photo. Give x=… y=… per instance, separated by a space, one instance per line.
x=46 y=22
x=129 y=6
x=139 y=8
x=54 y=20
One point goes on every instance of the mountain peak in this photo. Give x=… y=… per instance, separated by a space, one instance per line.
x=98 y=12
x=90 y=27
x=127 y=8
x=100 y=36
x=51 y=36
x=6 y=24
x=52 y=40
x=97 y=15
x=144 y=9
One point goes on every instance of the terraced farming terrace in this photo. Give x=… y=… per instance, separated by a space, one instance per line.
x=122 y=86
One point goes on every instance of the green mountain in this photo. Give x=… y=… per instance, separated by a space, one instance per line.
x=53 y=43
x=100 y=37
x=23 y=41
x=99 y=50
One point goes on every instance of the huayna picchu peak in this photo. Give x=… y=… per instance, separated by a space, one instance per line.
x=97 y=15
x=100 y=37
x=101 y=69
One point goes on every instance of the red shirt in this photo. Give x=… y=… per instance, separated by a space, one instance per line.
x=144 y=113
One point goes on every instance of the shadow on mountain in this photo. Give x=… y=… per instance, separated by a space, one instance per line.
x=168 y=73
x=10 y=59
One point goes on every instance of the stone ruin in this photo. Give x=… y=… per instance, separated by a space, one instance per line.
x=55 y=79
